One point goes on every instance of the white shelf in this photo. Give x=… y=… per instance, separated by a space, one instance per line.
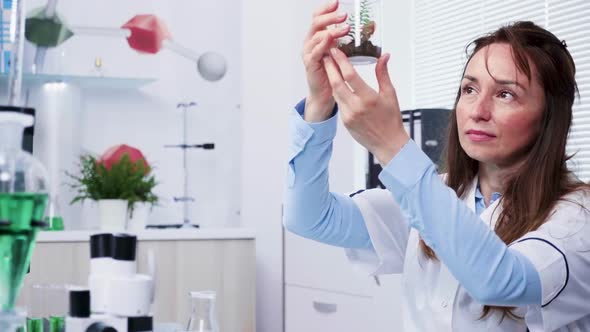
x=92 y=82
x=229 y=233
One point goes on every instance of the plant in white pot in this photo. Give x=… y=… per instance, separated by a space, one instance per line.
x=120 y=181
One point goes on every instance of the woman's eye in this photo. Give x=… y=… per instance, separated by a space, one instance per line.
x=467 y=90
x=506 y=95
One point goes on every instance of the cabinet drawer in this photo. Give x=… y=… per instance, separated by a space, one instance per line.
x=310 y=310
x=316 y=265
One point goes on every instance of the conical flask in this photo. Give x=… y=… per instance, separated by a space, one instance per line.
x=203 y=313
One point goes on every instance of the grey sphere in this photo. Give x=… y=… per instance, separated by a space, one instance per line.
x=211 y=66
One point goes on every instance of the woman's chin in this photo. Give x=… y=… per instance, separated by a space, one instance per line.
x=482 y=156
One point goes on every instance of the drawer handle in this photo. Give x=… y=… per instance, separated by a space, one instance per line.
x=325 y=308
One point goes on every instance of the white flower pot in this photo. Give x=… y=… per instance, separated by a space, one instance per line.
x=138 y=220
x=89 y=215
x=112 y=215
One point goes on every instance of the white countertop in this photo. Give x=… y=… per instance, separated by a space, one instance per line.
x=230 y=233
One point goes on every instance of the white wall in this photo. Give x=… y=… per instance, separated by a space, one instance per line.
x=267 y=79
x=148 y=118
x=272 y=82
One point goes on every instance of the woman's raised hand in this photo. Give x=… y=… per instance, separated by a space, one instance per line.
x=319 y=40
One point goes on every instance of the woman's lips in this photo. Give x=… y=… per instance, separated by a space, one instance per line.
x=480 y=136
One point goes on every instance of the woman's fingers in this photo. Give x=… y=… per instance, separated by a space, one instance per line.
x=318 y=52
x=322 y=21
x=350 y=75
x=330 y=6
x=316 y=48
x=333 y=33
x=385 y=85
x=342 y=92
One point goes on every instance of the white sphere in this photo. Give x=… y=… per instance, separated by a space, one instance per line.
x=211 y=66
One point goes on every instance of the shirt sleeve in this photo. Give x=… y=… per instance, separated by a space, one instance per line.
x=310 y=209
x=491 y=272
x=560 y=252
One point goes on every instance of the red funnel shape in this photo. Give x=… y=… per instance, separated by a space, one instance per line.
x=147 y=33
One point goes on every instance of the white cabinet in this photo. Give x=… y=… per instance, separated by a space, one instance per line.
x=310 y=310
x=388 y=305
x=323 y=292
x=317 y=265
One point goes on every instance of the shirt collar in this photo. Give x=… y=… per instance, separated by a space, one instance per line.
x=479 y=196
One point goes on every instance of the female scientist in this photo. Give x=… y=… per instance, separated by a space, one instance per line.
x=501 y=242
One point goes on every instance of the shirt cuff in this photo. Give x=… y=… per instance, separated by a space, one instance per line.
x=314 y=132
x=406 y=168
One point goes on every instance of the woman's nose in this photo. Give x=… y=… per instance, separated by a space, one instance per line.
x=482 y=109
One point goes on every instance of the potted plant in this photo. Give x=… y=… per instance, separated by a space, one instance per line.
x=120 y=181
x=361 y=45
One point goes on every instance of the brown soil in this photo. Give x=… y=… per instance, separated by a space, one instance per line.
x=366 y=48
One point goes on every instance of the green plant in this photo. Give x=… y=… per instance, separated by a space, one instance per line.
x=367 y=25
x=124 y=179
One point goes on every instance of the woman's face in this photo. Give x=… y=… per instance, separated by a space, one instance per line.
x=499 y=112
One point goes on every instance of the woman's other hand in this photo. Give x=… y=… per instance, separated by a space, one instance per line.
x=372 y=118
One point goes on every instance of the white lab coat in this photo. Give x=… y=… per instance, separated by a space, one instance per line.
x=432 y=299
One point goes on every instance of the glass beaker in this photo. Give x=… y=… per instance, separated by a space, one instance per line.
x=203 y=314
x=363 y=43
x=48 y=303
x=53 y=218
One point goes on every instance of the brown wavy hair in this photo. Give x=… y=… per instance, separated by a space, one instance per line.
x=532 y=192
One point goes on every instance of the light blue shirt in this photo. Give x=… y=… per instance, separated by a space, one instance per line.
x=480 y=204
x=482 y=263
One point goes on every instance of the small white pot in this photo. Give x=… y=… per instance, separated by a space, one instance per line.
x=138 y=221
x=112 y=215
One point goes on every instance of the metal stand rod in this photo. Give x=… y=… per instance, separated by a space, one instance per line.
x=126 y=33
x=186 y=199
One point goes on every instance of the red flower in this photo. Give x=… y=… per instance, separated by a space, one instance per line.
x=114 y=154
